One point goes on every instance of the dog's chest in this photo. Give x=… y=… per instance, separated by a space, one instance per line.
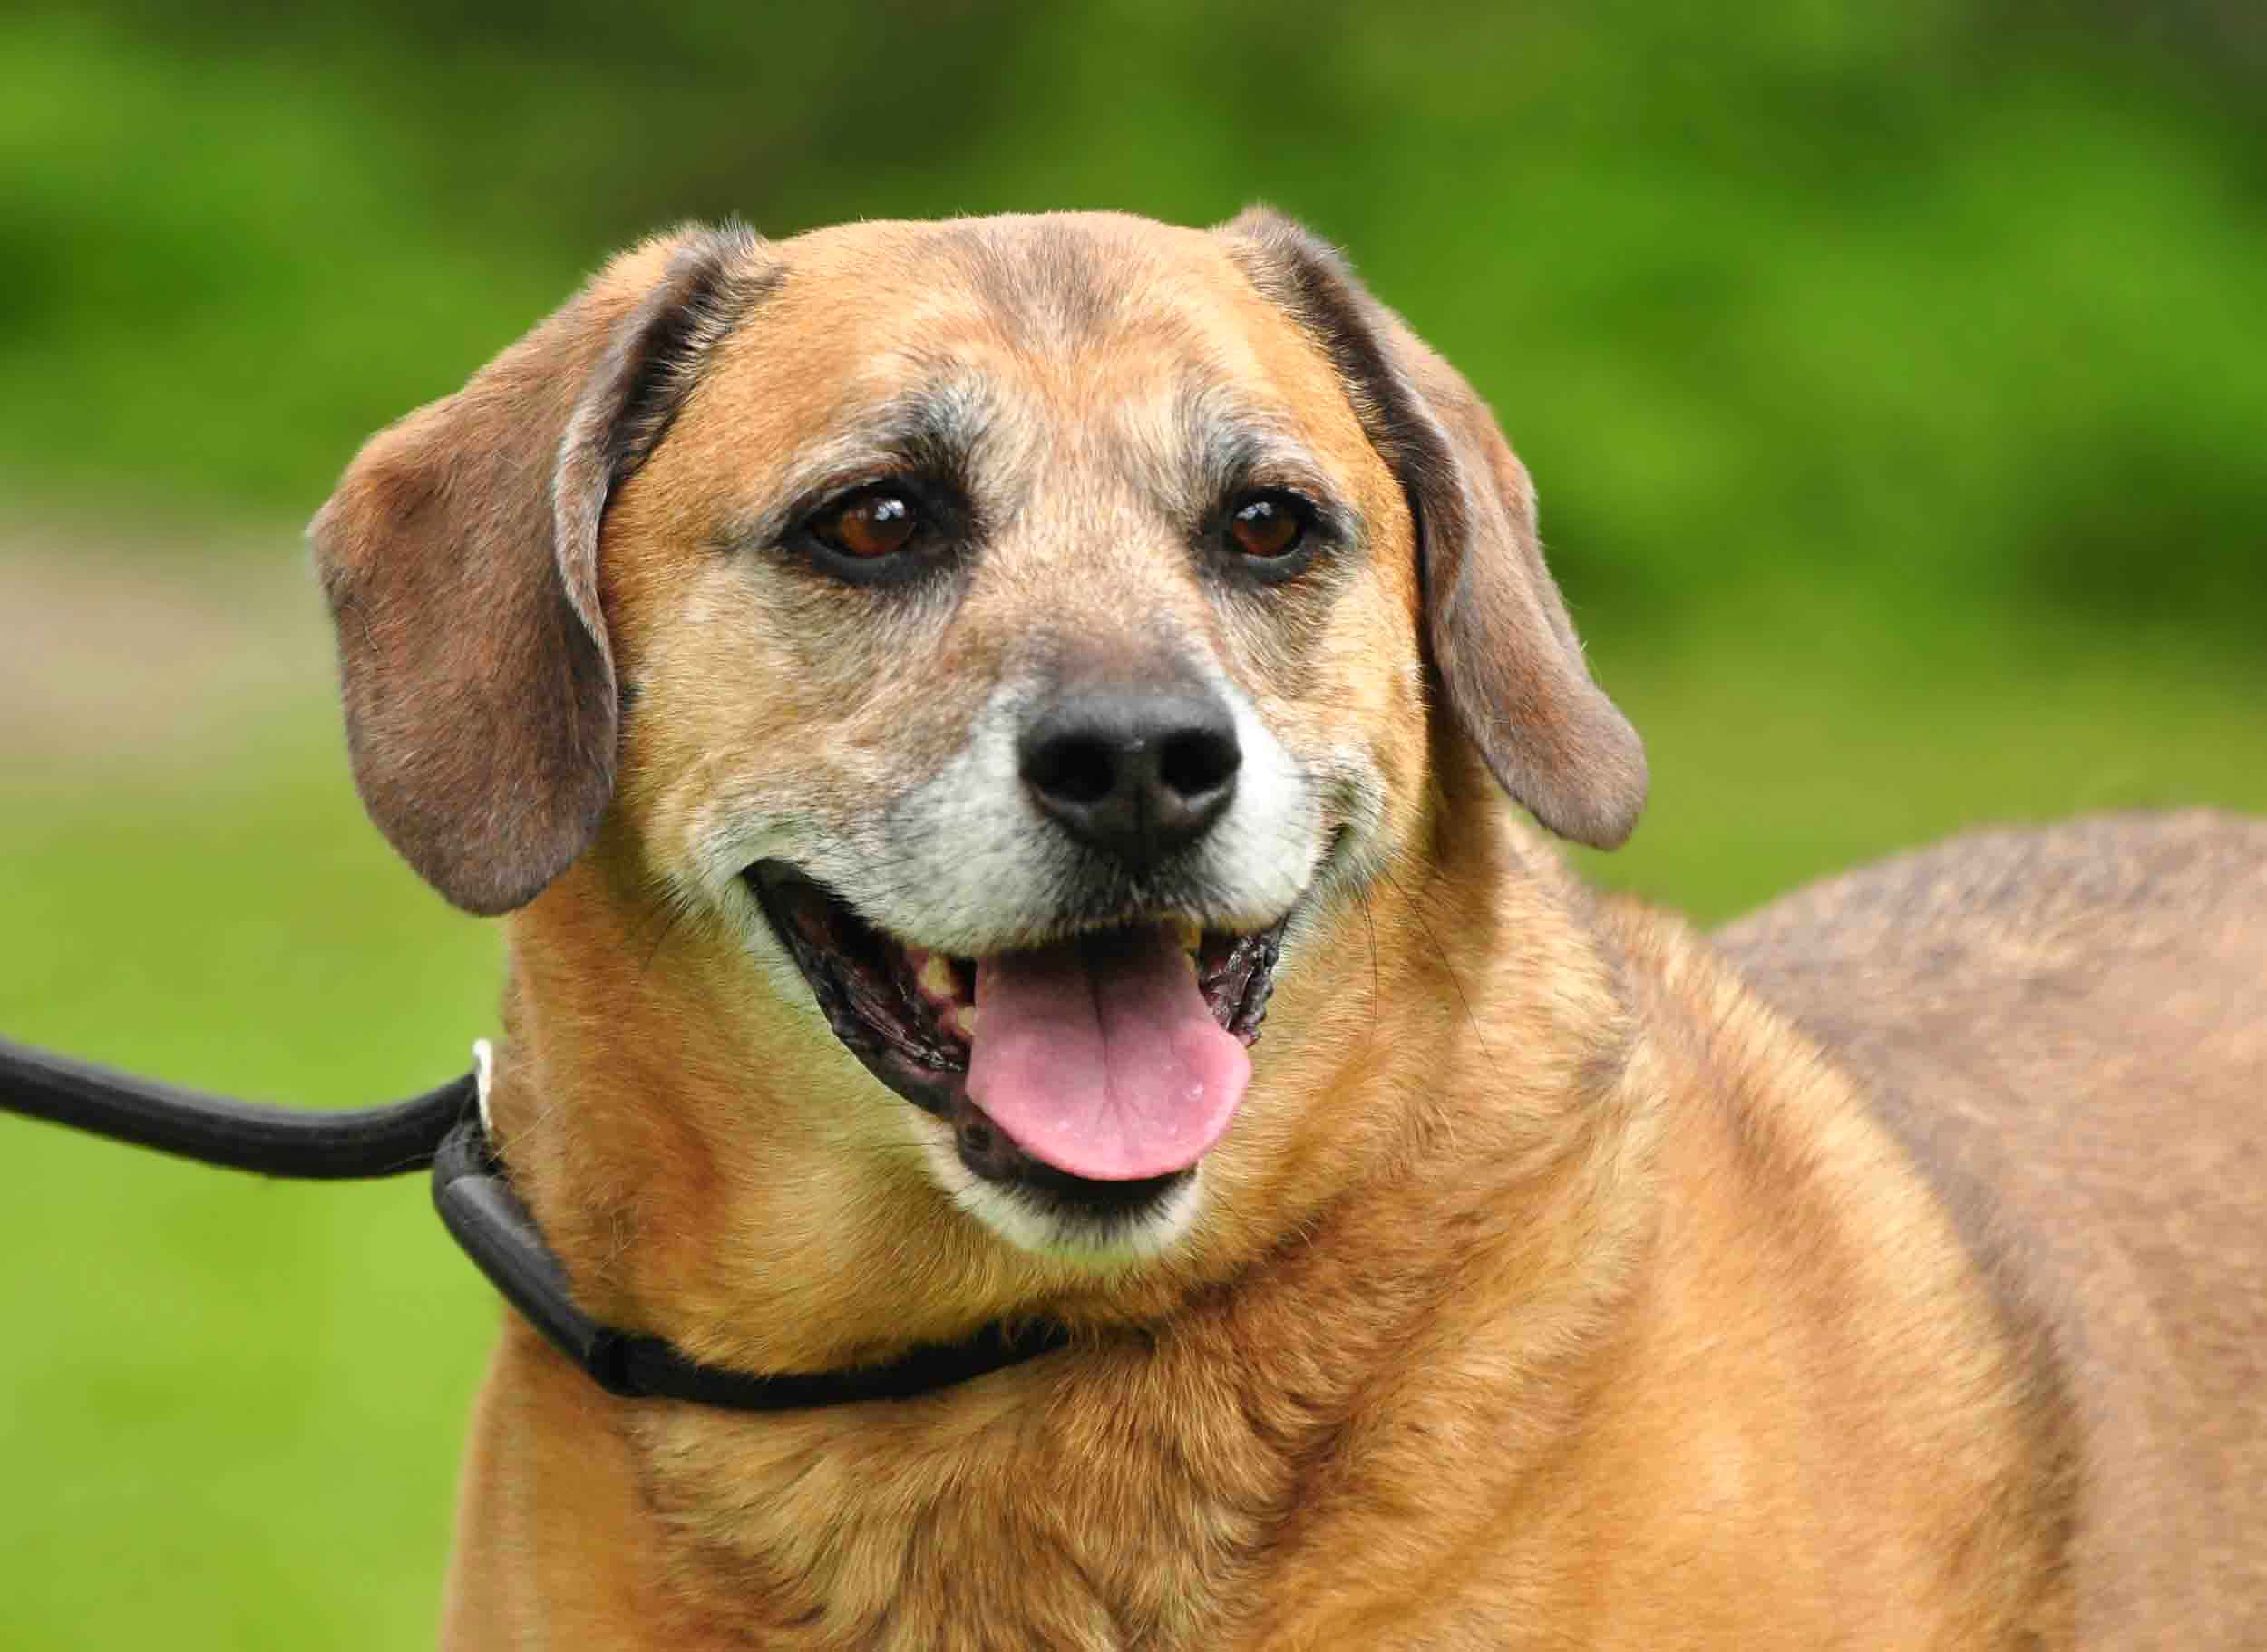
x=1115 y=1528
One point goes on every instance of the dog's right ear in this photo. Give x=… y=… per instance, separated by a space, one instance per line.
x=1510 y=667
x=459 y=558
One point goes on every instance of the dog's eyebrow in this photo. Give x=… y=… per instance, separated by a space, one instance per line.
x=935 y=429
x=1228 y=443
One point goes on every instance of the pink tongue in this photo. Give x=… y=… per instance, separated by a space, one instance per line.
x=1100 y=1058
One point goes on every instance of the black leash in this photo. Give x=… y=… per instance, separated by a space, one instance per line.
x=351 y=1145
x=444 y=1127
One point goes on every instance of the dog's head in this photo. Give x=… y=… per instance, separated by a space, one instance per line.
x=953 y=671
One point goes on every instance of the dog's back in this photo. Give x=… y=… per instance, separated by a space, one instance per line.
x=2067 y=1029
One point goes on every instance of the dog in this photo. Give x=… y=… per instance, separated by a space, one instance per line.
x=929 y=696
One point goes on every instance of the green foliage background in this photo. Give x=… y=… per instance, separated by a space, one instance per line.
x=1895 y=376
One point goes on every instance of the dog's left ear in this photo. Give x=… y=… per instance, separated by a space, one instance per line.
x=1510 y=663
x=460 y=556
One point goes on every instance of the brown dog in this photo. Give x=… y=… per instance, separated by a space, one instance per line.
x=868 y=666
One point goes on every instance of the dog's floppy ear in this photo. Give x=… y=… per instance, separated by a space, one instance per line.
x=459 y=558
x=1509 y=665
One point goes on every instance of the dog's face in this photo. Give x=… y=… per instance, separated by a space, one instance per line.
x=997 y=652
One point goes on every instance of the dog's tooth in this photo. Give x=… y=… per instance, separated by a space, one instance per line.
x=961 y=1019
x=1189 y=932
x=936 y=977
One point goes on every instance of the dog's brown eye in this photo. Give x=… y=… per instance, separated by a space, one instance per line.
x=1266 y=528
x=873 y=525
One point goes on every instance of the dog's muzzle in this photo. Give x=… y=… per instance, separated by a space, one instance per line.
x=1086 y=1070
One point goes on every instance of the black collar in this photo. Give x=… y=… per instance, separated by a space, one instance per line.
x=443 y=1128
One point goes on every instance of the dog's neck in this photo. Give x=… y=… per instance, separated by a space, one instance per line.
x=1215 y=1426
x=1223 y=1435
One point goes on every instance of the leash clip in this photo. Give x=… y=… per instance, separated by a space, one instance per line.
x=484 y=1080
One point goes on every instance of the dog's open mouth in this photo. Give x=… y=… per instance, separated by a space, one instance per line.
x=1098 y=1069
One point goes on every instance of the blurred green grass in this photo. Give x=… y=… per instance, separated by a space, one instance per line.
x=1893 y=378
x=231 y=1406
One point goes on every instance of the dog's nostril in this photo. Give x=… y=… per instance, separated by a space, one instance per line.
x=1197 y=761
x=1078 y=770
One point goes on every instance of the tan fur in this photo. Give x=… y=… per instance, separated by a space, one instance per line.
x=1554 y=1287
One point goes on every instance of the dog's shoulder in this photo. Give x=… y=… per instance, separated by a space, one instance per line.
x=2107 y=975
x=2067 y=1030
x=2133 y=882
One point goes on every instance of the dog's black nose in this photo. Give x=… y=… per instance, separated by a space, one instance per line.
x=1137 y=774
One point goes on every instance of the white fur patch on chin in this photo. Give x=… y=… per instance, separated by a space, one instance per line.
x=1121 y=1242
